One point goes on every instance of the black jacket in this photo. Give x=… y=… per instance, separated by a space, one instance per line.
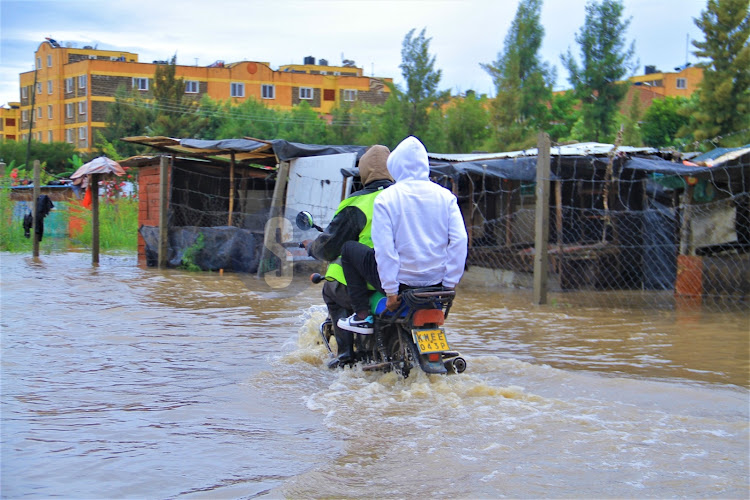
x=345 y=226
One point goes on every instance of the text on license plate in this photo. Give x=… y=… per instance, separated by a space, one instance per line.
x=430 y=340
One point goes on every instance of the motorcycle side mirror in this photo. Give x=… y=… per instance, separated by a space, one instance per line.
x=305 y=221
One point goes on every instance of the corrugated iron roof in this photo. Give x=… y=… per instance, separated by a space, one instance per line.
x=246 y=151
x=580 y=149
x=721 y=155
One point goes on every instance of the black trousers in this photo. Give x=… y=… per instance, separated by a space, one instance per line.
x=360 y=268
x=336 y=297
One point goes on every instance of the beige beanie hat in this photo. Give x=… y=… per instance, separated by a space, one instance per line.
x=373 y=166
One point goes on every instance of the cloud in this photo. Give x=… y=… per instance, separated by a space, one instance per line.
x=464 y=33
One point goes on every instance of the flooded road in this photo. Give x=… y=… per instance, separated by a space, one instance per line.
x=121 y=382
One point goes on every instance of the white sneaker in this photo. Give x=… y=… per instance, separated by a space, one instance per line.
x=353 y=324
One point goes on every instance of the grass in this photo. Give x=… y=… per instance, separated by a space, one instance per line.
x=11 y=231
x=118 y=224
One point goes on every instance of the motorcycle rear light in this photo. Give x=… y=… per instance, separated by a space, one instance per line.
x=433 y=357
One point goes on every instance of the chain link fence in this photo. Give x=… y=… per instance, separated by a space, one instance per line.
x=623 y=228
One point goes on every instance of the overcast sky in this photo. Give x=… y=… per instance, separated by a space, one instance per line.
x=464 y=33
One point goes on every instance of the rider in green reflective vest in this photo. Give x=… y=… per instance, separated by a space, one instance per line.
x=351 y=222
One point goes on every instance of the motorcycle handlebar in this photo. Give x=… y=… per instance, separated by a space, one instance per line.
x=316 y=278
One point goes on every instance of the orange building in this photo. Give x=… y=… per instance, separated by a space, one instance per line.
x=67 y=96
x=9 y=121
x=681 y=83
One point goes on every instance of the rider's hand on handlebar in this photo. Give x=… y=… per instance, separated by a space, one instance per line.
x=305 y=244
x=392 y=302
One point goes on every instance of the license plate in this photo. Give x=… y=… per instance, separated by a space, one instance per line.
x=430 y=340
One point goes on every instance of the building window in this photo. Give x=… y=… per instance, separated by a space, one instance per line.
x=268 y=91
x=49 y=86
x=25 y=115
x=39 y=87
x=68 y=85
x=237 y=90
x=140 y=83
x=350 y=95
x=682 y=83
x=82 y=135
x=50 y=136
x=305 y=93
x=38 y=63
x=24 y=92
x=69 y=135
x=49 y=111
x=191 y=87
x=39 y=112
x=49 y=62
x=82 y=81
x=82 y=107
x=69 y=110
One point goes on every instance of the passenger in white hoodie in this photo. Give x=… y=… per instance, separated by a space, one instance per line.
x=418 y=235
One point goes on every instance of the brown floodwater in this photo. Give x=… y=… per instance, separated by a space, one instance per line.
x=122 y=382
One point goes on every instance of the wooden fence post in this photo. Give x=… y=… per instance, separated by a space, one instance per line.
x=277 y=203
x=94 y=186
x=541 y=228
x=34 y=197
x=163 y=233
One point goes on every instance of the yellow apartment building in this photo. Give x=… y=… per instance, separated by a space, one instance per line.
x=681 y=83
x=9 y=121
x=65 y=98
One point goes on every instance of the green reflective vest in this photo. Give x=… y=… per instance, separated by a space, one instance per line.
x=365 y=203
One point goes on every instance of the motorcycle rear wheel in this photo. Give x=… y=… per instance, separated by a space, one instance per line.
x=404 y=354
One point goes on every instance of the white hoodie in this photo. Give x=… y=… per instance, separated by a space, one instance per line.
x=417 y=228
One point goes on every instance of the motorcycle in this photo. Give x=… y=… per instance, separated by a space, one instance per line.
x=410 y=337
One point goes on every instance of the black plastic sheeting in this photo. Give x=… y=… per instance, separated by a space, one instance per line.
x=573 y=167
x=521 y=168
x=286 y=151
x=223 y=247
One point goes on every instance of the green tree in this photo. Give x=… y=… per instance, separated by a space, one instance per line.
x=662 y=121
x=631 y=128
x=130 y=115
x=303 y=124
x=724 y=94
x=606 y=60
x=248 y=118
x=344 y=127
x=422 y=79
x=467 y=124
x=174 y=113
x=522 y=81
x=392 y=126
x=53 y=156
x=562 y=116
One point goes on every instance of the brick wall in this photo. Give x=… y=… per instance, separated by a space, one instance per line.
x=148 y=204
x=104 y=85
x=315 y=102
x=99 y=111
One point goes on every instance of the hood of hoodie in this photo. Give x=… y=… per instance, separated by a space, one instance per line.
x=409 y=161
x=372 y=165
